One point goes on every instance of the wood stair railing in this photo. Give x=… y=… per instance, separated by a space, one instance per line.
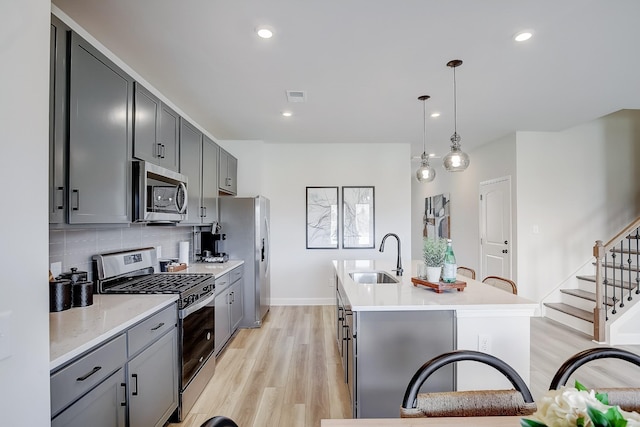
x=617 y=267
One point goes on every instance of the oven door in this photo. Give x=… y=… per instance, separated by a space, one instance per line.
x=197 y=339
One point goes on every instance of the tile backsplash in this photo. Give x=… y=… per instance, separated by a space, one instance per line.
x=75 y=247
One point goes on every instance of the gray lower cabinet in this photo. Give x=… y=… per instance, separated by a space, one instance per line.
x=199 y=162
x=104 y=406
x=229 y=307
x=156 y=130
x=227 y=173
x=100 y=132
x=131 y=380
x=153 y=383
x=382 y=350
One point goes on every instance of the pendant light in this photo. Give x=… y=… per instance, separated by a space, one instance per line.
x=425 y=172
x=456 y=160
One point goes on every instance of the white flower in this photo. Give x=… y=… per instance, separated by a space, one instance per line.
x=562 y=408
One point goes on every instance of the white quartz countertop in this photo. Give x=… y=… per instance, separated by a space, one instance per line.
x=215 y=268
x=404 y=296
x=74 y=331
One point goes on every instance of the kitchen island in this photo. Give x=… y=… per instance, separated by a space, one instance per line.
x=386 y=331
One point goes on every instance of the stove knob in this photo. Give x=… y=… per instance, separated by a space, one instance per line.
x=208 y=336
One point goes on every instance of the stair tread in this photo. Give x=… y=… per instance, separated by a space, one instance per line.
x=591 y=296
x=617 y=283
x=625 y=251
x=571 y=310
x=626 y=267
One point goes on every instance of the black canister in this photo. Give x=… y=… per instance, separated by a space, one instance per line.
x=59 y=295
x=82 y=294
x=74 y=275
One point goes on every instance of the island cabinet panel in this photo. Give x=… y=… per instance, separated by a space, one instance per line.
x=100 y=104
x=389 y=348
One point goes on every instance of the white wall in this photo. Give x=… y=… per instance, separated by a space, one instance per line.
x=303 y=276
x=24 y=85
x=490 y=161
x=577 y=186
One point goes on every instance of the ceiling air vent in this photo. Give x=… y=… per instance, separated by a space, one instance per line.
x=296 y=96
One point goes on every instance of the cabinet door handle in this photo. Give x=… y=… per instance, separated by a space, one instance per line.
x=135 y=378
x=228 y=182
x=162 y=151
x=61 y=190
x=77 y=193
x=160 y=325
x=124 y=394
x=88 y=374
x=158 y=150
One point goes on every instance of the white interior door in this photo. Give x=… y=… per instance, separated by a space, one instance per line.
x=495 y=228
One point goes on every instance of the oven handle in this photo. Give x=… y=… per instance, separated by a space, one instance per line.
x=187 y=311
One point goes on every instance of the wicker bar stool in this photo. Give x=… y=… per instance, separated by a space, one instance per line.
x=467 y=272
x=501 y=283
x=477 y=403
x=628 y=398
x=219 y=421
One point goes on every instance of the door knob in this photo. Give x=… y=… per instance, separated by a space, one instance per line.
x=506 y=242
x=504 y=251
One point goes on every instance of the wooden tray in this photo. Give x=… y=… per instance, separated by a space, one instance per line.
x=174 y=268
x=440 y=286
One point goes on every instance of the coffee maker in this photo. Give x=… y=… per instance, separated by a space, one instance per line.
x=209 y=243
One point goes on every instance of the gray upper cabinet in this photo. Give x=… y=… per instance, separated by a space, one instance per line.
x=227 y=173
x=100 y=123
x=156 y=130
x=57 y=120
x=199 y=160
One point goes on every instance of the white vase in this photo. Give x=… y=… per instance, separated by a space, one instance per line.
x=433 y=274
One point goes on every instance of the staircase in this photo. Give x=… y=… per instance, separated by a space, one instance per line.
x=616 y=284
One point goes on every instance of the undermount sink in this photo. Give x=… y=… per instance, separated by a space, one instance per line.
x=372 y=277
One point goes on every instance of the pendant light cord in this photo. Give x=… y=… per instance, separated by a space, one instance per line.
x=424 y=124
x=455 y=104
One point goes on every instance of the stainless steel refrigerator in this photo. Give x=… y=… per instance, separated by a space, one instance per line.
x=245 y=221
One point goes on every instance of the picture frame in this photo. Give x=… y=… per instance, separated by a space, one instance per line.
x=358 y=217
x=322 y=217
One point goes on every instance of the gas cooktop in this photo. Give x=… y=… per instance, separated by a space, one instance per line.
x=133 y=272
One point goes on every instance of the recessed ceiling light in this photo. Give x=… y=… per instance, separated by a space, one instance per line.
x=523 y=36
x=287 y=113
x=436 y=114
x=264 y=32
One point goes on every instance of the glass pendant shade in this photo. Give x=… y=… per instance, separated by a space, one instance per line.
x=425 y=172
x=456 y=160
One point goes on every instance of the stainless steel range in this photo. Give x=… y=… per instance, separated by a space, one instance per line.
x=135 y=272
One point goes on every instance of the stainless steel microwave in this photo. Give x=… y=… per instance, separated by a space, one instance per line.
x=159 y=194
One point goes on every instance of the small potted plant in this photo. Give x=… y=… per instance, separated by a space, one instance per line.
x=433 y=251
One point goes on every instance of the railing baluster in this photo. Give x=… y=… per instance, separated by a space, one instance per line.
x=637 y=261
x=629 y=297
x=613 y=281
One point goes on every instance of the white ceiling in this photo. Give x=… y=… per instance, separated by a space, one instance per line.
x=363 y=64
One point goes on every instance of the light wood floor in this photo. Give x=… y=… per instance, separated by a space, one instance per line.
x=288 y=372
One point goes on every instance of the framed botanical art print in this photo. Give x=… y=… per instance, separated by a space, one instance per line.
x=322 y=217
x=358 y=217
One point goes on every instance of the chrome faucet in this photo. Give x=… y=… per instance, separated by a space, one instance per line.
x=398 y=268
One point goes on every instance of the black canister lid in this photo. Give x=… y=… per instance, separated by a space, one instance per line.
x=74 y=275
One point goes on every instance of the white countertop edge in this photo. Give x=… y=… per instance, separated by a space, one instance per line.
x=217 y=269
x=495 y=310
x=486 y=311
x=100 y=339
